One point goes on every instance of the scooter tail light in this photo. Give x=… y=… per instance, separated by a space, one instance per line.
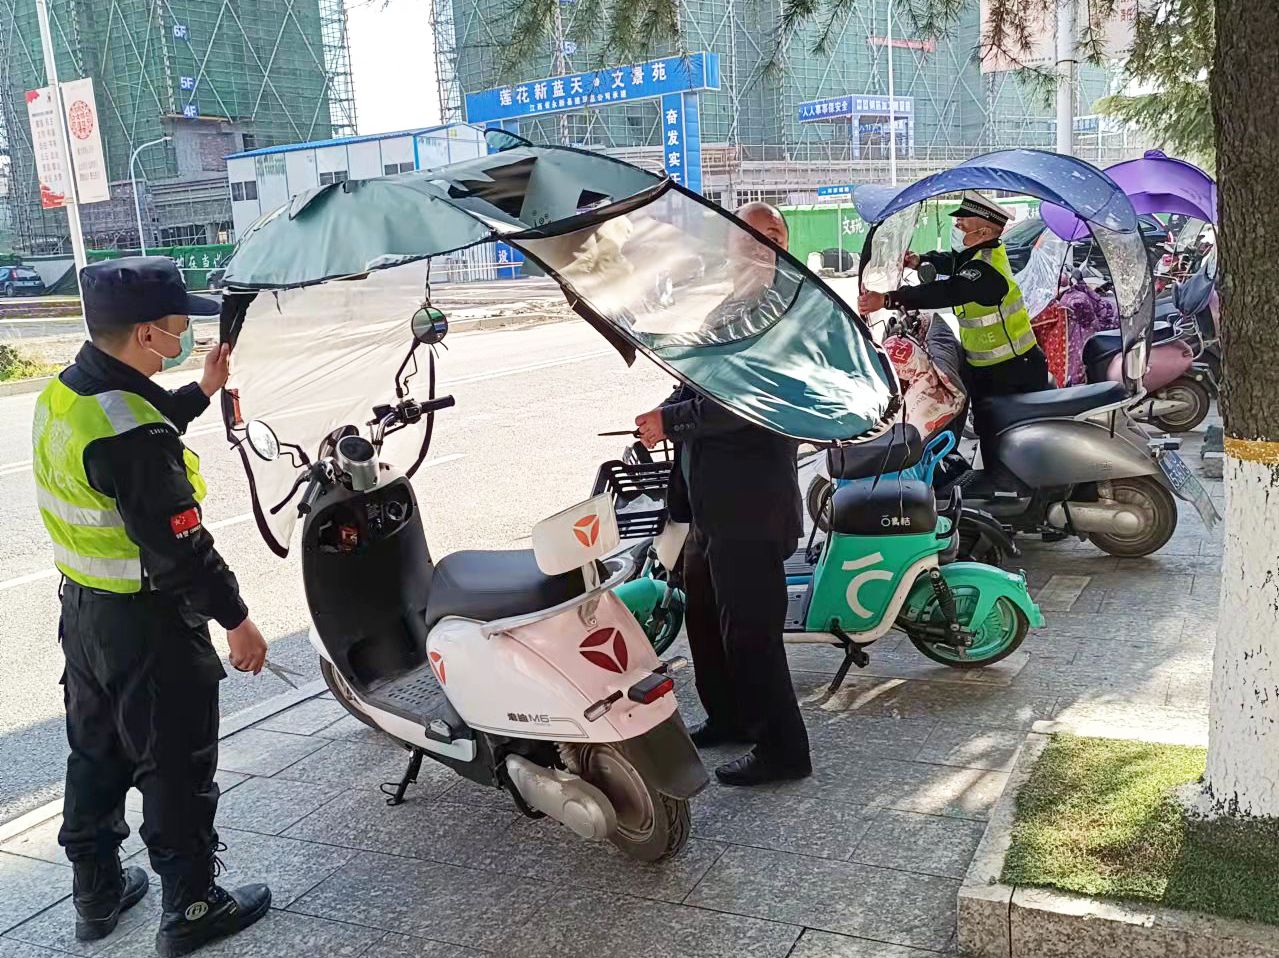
x=650 y=688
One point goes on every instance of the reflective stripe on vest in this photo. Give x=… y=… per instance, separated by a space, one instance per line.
x=995 y=334
x=90 y=545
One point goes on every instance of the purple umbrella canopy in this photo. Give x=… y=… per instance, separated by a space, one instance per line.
x=1156 y=183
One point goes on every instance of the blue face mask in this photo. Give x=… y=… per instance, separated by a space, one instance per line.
x=186 y=343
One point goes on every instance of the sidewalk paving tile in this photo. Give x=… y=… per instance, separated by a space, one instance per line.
x=361 y=764
x=29 y=886
x=920 y=843
x=305 y=718
x=20 y=949
x=349 y=727
x=55 y=928
x=270 y=805
x=823 y=944
x=42 y=841
x=971 y=746
x=581 y=924
x=290 y=867
x=548 y=851
x=781 y=817
x=402 y=946
x=892 y=906
x=280 y=934
x=258 y=752
x=423 y=828
x=427 y=899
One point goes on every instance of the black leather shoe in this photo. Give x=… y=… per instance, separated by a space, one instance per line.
x=190 y=922
x=706 y=735
x=102 y=892
x=754 y=769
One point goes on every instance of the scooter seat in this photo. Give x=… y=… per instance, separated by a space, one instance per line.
x=485 y=586
x=890 y=507
x=899 y=448
x=1102 y=346
x=1002 y=412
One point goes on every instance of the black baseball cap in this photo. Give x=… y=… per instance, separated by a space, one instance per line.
x=119 y=293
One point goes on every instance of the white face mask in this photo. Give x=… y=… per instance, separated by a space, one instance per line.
x=957 y=237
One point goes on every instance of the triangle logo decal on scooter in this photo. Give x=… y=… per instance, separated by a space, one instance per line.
x=594 y=649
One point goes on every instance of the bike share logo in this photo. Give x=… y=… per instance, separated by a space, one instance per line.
x=852 y=594
x=587 y=530
x=597 y=646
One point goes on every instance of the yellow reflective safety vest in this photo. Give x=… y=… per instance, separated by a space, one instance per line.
x=995 y=334
x=90 y=544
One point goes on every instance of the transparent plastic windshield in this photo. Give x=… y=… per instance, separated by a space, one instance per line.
x=882 y=271
x=722 y=310
x=310 y=361
x=1040 y=279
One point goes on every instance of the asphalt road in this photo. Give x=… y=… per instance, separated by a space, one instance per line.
x=520 y=445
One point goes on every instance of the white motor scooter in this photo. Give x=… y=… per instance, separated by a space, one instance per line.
x=517 y=669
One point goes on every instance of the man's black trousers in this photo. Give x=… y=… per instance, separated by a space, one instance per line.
x=735 y=615
x=1027 y=373
x=141 y=692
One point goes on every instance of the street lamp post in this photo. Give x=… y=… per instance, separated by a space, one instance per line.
x=133 y=178
x=892 y=104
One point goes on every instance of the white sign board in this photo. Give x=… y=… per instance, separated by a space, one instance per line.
x=54 y=181
x=86 y=141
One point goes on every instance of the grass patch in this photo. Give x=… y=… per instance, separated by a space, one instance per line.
x=1098 y=817
x=14 y=364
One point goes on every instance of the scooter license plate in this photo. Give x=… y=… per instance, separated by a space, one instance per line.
x=1188 y=487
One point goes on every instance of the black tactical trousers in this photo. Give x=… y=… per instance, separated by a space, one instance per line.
x=141 y=693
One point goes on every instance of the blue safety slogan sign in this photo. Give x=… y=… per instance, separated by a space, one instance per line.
x=610 y=86
x=845 y=190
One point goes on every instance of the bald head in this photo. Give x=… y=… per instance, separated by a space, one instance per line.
x=767 y=220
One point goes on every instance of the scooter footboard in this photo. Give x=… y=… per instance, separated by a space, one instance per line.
x=987 y=584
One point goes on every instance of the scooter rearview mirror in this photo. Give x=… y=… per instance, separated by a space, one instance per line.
x=429 y=325
x=262 y=440
x=927 y=273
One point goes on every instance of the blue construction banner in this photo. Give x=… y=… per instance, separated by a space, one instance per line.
x=845 y=190
x=851 y=106
x=606 y=87
x=682 y=140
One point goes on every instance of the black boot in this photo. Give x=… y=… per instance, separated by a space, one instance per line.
x=755 y=769
x=102 y=890
x=706 y=735
x=197 y=911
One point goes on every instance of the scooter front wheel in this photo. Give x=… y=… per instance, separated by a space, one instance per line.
x=650 y=826
x=1197 y=404
x=342 y=692
x=996 y=638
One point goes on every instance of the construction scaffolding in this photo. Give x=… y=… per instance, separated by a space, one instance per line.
x=214 y=76
x=755 y=143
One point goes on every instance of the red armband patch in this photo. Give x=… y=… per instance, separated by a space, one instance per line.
x=184 y=523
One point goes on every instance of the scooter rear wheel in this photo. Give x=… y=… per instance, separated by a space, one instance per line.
x=1160 y=509
x=998 y=637
x=1198 y=403
x=650 y=826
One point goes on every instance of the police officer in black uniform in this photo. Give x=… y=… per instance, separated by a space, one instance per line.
x=736 y=484
x=119 y=494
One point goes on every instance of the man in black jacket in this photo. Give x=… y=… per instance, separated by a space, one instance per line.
x=120 y=496
x=736 y=484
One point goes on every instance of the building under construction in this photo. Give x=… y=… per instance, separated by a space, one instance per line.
x=760 y=137
x=215 y=76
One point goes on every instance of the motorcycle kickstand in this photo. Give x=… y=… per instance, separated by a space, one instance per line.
x=854 y=654
x=396 y=797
